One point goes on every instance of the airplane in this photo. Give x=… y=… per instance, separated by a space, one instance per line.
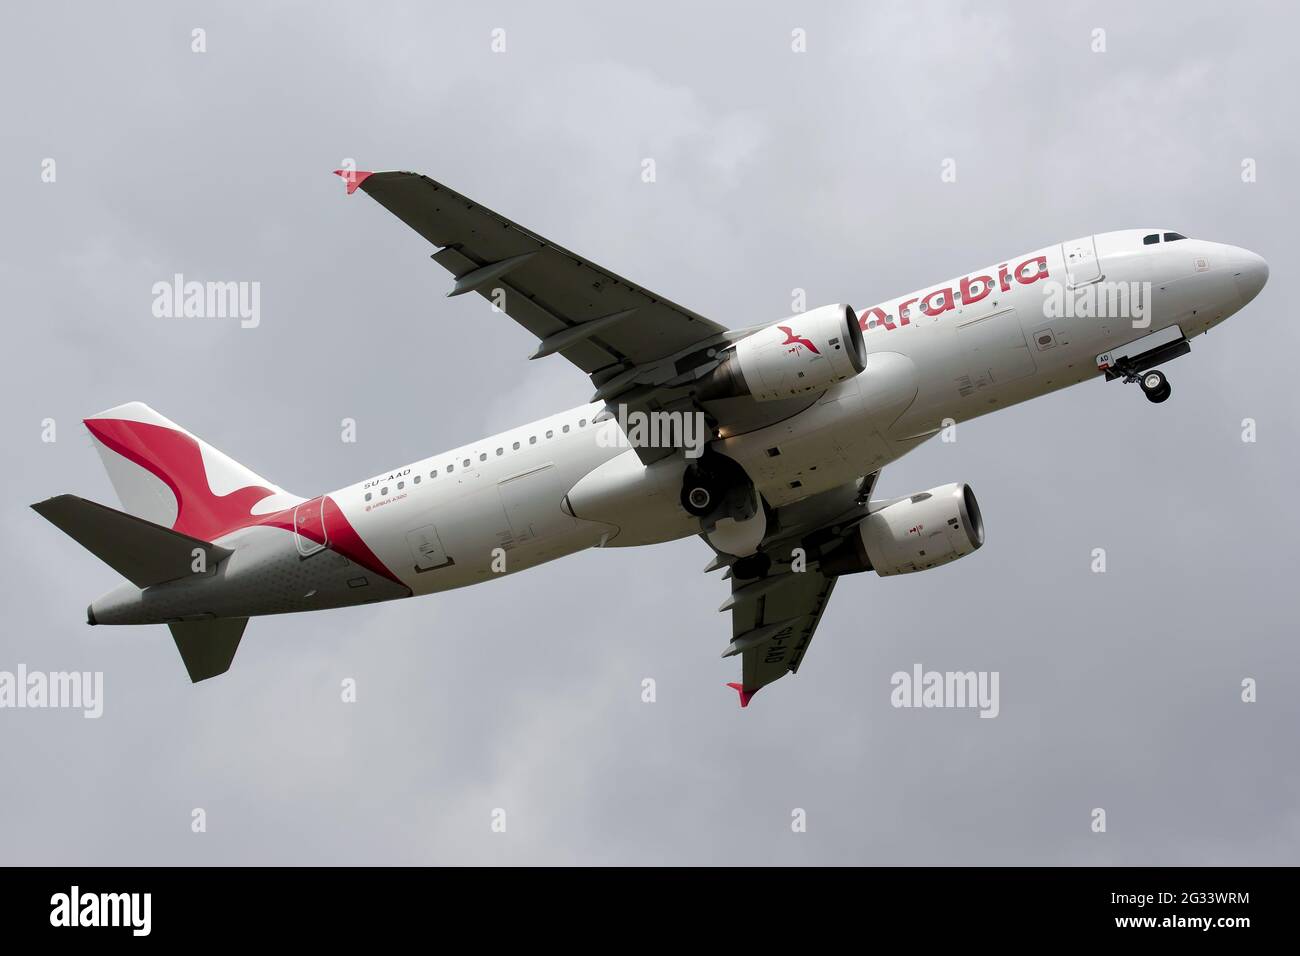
x=796 y=420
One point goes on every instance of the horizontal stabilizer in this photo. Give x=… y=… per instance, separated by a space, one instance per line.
x=142 y=552
x=208 y=647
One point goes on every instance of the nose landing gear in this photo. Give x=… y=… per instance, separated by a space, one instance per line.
x=1155 y=386
x=1140 y=366
x=1154 y=383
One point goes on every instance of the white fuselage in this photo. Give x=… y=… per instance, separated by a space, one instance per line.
x=498 y=505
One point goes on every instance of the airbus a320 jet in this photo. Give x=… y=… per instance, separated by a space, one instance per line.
x=796 y=420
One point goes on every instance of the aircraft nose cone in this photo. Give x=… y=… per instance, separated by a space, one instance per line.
x=1250 y=272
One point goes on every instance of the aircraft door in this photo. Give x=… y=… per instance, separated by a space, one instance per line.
x=1081 y=263
x=309 y=526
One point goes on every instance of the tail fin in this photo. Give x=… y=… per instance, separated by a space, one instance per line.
x=142 y=552
x=166 y=475
x=208 y=647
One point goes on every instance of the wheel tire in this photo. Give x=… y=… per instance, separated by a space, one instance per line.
x=1160 y=394
x=1153 y=383
x=698 y=499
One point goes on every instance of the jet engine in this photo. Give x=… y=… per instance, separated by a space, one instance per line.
x=913 y=534
x=805 y=353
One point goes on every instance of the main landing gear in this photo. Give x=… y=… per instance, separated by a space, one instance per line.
x=715 y=487
x=1155 y=386
x=699 y=496
x=731 y=512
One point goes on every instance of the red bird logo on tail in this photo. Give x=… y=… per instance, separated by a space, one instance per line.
x=792 y=339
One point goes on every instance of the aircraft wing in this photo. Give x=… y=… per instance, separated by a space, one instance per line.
x=774 y=617
x=618 y=333
x=771 y=631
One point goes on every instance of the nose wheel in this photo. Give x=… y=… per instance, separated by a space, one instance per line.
x=1141 y=368
x=1155 y=386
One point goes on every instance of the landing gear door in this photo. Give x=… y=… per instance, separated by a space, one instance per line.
x=1144 y=353
x=1081 y=263
x=309 y=526
x=426 y=548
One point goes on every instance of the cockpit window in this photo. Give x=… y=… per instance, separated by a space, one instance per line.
x=1151 y=240
x=1172 y=236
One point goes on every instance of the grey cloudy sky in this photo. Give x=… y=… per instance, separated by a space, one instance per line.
x=775 y=170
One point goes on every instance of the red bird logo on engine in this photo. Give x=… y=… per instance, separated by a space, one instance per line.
x=797 y=340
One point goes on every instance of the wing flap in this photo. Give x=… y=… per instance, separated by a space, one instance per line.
x=791 y=611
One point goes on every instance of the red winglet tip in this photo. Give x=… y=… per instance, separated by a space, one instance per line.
x=745 y=695
x=353 y=177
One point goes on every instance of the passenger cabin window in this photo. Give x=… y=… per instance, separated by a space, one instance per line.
x=1173 y=237
x=515 y=446
x=368 y=496
x=434 y=473
x=532 y=439
x=465 y=463
x=483 y=457
x=416 y=479
x=451 y=468
x=1151 y=240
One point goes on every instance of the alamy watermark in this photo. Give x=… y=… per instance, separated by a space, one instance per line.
x=179 y=299
x=127 y=910
x=78 y=690
x=968 y=689
x=1100 y=300
x=657 y=429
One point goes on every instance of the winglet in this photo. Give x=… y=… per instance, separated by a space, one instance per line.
x=745 y=695
x=353 y=177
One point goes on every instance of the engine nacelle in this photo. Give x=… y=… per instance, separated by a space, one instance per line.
x=924 y=531
x=805 y=353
